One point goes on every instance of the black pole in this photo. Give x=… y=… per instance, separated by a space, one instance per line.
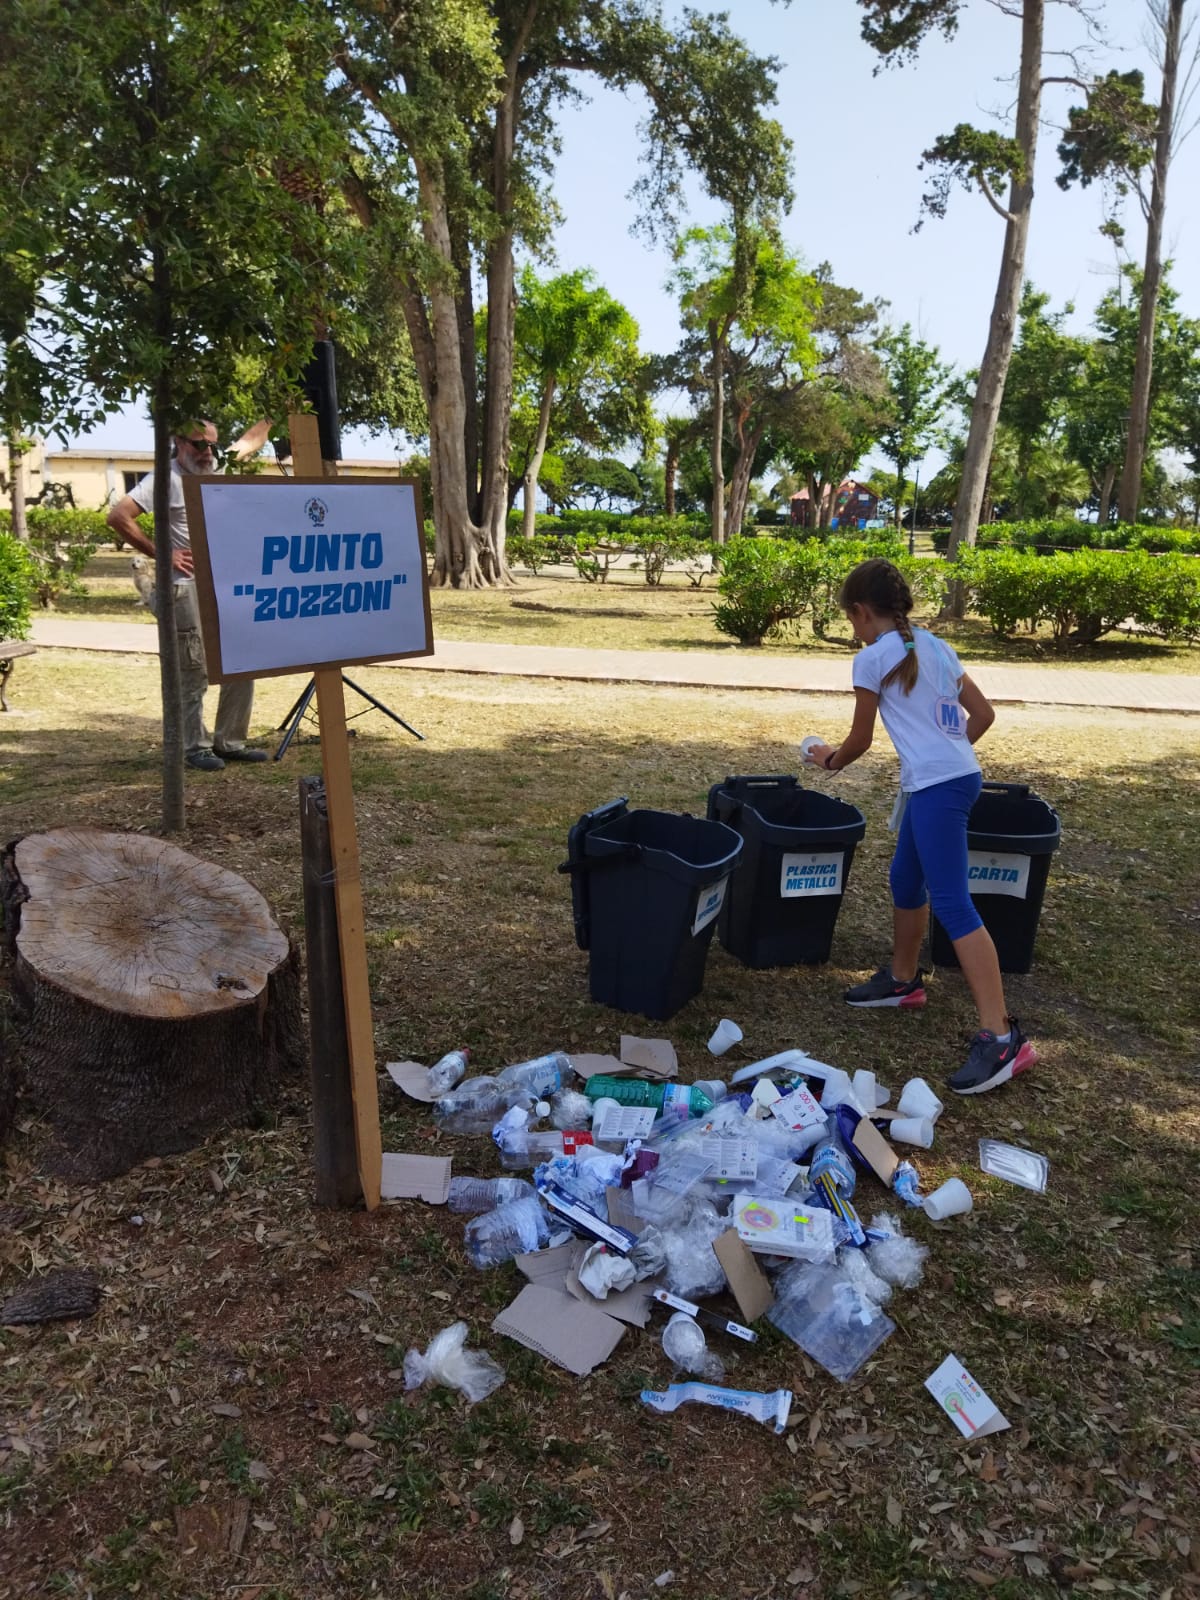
x=320 y=390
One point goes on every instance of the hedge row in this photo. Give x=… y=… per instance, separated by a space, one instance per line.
x=1084 y=594
x=769 y=585
x=594 y=555
x=60 y=545
x=1048 y=534
x=606 y=523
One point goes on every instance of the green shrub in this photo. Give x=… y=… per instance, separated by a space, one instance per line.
x=17 y=577
x=1084 y=594
x=765 y=585
x=1048 y=534
x=531 y=553
x=61 y=543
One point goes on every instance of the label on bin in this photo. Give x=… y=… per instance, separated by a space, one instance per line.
x=709 y=904
x=811 y=872
x=997 y=874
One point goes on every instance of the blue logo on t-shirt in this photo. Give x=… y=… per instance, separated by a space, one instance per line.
x=948 y=714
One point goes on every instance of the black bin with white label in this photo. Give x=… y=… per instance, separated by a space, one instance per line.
x=781 y=909
x=647 y=888
x=1011 y=835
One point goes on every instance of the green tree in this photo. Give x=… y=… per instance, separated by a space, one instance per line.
x=917 y=381
x=456 y=146
x=167 y=133
x=1116 y=136
x=1042 y=377
x=577 y=360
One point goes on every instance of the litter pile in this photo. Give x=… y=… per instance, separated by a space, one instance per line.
x=645 y=1196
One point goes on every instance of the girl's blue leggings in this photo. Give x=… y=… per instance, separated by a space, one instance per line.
x=931 y=853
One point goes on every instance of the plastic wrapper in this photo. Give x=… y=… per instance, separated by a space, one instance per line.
x=601 y=1270
x=822 y=1311
x=1025 y=1168
x=772 y=1409
x=906 y=1184
x=649 y=1254
x=569 y=1109
x=449 y=1363
x=693 y=1271
x=582 y=1177
x=857 y=1266
x=897 y=1259
x=684 y=1343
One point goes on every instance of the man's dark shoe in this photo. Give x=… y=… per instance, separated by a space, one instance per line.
x=204 y=761
x=244 y=753
x=991 y=1063
x=881 y=989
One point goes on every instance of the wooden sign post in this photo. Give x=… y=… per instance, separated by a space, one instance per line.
x=258 y=622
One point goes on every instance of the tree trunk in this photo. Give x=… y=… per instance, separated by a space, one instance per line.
x=717 y=442
x=993 y=370
x=157 y=999
x=739 y=484
x=900 y=466
x=1130 y=493
x=18 y=484
x=1106 y=489
x=670 y=472
x=530 y=480
x=173 y=816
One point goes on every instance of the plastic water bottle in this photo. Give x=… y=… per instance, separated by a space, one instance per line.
x=509 y=1231
x=541 y=1077
x=470 y=1196
x=672 y=1099
x=444 y=1074
x=474 y=1107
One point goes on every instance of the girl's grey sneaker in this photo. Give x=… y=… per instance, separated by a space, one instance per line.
x=881 y=989
x=991 y=1062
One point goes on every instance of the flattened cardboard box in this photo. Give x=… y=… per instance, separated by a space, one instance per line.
x=654 y=1057
x=627 y=1305
x=750 y=1284
x=406 y=1177
x=562 y=1329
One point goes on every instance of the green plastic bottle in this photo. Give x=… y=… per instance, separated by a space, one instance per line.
x=672 y=1099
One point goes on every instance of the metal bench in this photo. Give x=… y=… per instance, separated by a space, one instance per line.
x=10 y=651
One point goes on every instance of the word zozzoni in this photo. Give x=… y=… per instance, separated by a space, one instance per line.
x=321 y=599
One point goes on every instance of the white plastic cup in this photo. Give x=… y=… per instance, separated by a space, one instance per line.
x=712 y=1087
x=864 y=1086
x=725 y=1035
x=912 y=1130
x=807 y=746
x=951 y=1200
x=917 y=1099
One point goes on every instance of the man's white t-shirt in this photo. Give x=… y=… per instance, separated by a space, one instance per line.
x=928 y=726
x=143 y=495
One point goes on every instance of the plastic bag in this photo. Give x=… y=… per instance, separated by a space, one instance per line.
x=570 y=1110
x=449 y=1363
x=693 y=1270
x=897 y=1259
x=822 y=1311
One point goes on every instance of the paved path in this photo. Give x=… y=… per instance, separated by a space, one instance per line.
x=719 y=669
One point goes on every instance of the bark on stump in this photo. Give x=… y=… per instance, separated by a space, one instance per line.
x=157 y=999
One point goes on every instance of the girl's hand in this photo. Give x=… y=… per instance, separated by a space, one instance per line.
x=817 y=754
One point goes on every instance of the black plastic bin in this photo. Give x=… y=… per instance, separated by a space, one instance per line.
x=1011 y=835
x=647 y=887
x=781 y=909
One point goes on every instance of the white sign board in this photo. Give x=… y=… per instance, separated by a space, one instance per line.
x=997 y=874
x=811 y=872
x=709 y=904
x=307 y=572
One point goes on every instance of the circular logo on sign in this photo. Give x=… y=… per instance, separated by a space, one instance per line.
x=316 y=511
x=950 y=716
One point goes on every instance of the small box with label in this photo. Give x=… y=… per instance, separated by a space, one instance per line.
x=781 y=1227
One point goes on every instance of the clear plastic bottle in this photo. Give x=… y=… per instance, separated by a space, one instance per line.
x=542 y=1077
x=474 y=1107
x=670 y=1098
x=470 y=1196
x=444 y=1074
x=509 y=1231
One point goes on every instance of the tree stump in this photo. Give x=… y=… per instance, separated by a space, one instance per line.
x=157 y=999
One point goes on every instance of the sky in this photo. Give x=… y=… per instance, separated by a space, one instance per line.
x=857 y=141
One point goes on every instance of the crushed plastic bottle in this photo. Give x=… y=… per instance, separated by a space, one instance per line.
x=444 y=1074
x=477 y=1105
x=471 y=1196
x=509 y=1231
x=672 y=1099
x=541 y=1077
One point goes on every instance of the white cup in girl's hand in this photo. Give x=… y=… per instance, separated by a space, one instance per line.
x=917 y=1099
x=950 y=1200
x=807 y=745
x=912 y=1130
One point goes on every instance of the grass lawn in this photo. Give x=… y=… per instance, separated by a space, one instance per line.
x=1079 y=1310
x=557 y=608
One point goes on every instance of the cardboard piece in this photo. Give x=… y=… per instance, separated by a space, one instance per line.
x=750 y=1285
x=974 y=1413
x=547 y=1266
x=412 y=1078
x=407 y=1177
x=880 y=1156
x=654 y=1058
x=564 y=1330
x=589 y=1066
x=630 y=1305
x=797 y=1110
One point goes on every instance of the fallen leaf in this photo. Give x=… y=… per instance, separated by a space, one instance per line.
x=259 y=1471
x=988 y=1470
x=895 y=1514
x=358 y=1441
x=984 y=1579
x=594 y=1530
x=516 y=1531
x=264 y=1525
x=225 y=1408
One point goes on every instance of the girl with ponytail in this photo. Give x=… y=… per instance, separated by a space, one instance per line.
x=933 y=714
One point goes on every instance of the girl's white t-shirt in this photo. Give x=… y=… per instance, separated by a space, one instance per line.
x=928 y=726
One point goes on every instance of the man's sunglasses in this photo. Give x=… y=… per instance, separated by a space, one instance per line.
x=201 y=445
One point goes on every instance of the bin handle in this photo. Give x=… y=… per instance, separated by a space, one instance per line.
x=627 y=852
x=1018 y=791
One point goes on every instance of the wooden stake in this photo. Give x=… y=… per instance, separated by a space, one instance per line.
x=347 y=883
